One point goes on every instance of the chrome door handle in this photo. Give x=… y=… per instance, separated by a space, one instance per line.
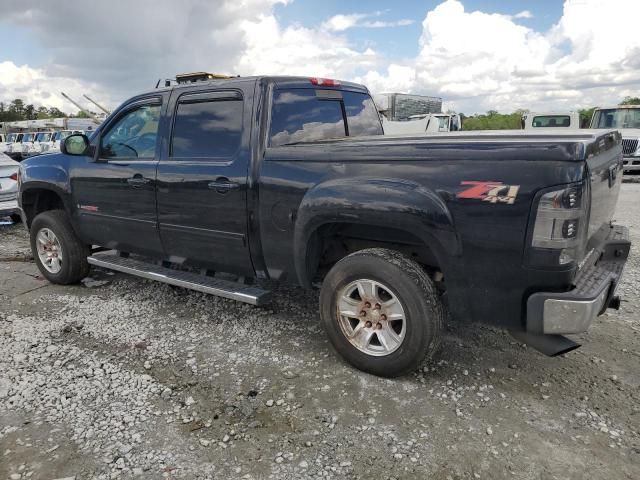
x=137 y=181
x=223 y=185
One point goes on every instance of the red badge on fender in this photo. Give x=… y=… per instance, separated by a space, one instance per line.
x=494 y=192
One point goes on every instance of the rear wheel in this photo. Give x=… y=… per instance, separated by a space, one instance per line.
x=381 y=311
x=58 y=252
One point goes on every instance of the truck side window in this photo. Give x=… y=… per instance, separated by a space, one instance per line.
x=207 y=129
x=133 y=135
x=299 y=115
x=362 y=115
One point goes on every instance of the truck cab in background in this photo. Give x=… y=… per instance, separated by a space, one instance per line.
x=532 y=121
x=53 y=144
x=626 y=119
x=36 y=147
x=14 y=146
x=430 y=123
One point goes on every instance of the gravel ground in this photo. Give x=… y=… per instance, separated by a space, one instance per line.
x=124 y=378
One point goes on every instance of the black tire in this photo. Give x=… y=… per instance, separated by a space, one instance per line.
x=74 y=266
x=15 y=218
x=407 y=280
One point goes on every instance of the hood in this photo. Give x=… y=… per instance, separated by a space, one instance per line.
x=629 y=132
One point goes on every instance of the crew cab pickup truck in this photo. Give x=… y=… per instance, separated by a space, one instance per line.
x=292 y=180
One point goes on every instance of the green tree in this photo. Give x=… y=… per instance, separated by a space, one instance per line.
x=630 y=101
x=493 y=121
x=82 y=114
x=29 y=112
x=585 y=116
x=17 y=107
x=54 y=112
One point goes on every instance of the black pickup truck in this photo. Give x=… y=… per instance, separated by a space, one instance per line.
x=222 y=186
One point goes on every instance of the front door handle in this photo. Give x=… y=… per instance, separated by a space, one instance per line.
x=223 y=185
x=137 y=181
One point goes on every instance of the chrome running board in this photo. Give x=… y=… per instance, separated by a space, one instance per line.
x=192 y=281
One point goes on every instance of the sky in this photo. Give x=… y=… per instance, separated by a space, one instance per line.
x=478 y=55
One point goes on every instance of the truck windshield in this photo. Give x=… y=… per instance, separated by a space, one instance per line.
x=616 y=118
x=28 y=137
x=42 y=137
x=11 y=138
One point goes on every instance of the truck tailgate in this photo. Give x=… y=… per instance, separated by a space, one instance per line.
x=604 y=161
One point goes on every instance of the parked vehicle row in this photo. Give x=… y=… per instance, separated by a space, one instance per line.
x=23 y=145
x=9 y=188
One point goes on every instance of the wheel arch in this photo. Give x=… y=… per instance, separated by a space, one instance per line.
x=38 y=197
x=384 y=212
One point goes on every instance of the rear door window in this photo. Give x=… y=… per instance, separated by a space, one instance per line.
x=207 y=128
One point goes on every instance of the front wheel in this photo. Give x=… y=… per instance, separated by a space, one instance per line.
x=381 y=311
x=59 y=254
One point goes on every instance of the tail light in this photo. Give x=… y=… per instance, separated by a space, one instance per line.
x=14 y=177
x=560 y=226
x=324 y=82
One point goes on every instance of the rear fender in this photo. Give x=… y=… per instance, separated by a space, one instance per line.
x=393 y=203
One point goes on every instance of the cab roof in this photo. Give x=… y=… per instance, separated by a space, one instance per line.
x=279 y=82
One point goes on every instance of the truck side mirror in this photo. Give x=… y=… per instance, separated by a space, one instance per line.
x=75 y=144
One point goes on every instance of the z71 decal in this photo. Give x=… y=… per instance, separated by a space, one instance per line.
x=494 y=192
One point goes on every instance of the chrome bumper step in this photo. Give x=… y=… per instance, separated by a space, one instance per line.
x=192 y=281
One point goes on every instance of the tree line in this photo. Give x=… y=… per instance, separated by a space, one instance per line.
x=492 y=120
x=19 y=110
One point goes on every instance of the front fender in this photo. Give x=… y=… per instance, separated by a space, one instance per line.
x=41 y=173
x=394 y=203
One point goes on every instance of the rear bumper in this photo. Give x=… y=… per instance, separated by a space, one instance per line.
x=594 y=286
x=9 y=207
x=631 y=164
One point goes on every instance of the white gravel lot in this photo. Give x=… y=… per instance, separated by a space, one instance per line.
x=125 y=378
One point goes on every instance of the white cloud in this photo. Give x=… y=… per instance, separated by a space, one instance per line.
x=37 y=87
x=296 y=50
x=590 y=57
x=475 y=60
x=523 y=14
x=342 y=22
x=126 y=46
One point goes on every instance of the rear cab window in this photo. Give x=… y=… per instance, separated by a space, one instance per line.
x=552 y=121
x=308 y=114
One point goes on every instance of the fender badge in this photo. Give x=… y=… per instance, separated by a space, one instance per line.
x=88 y=208
x=494 y=192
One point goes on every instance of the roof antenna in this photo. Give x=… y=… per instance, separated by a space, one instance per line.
x=158 y=84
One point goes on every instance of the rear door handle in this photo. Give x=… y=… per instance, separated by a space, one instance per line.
x=223 y=185
x=137 y=181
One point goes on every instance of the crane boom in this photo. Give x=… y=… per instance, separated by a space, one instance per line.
x=97 y=104
x=93 y=117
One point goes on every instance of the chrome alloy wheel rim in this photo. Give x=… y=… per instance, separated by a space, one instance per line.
x=371 y=317
x=49 y=250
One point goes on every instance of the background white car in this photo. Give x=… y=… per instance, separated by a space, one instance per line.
x=9 y=188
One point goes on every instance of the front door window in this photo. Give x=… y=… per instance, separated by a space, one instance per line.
x=133 y=135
